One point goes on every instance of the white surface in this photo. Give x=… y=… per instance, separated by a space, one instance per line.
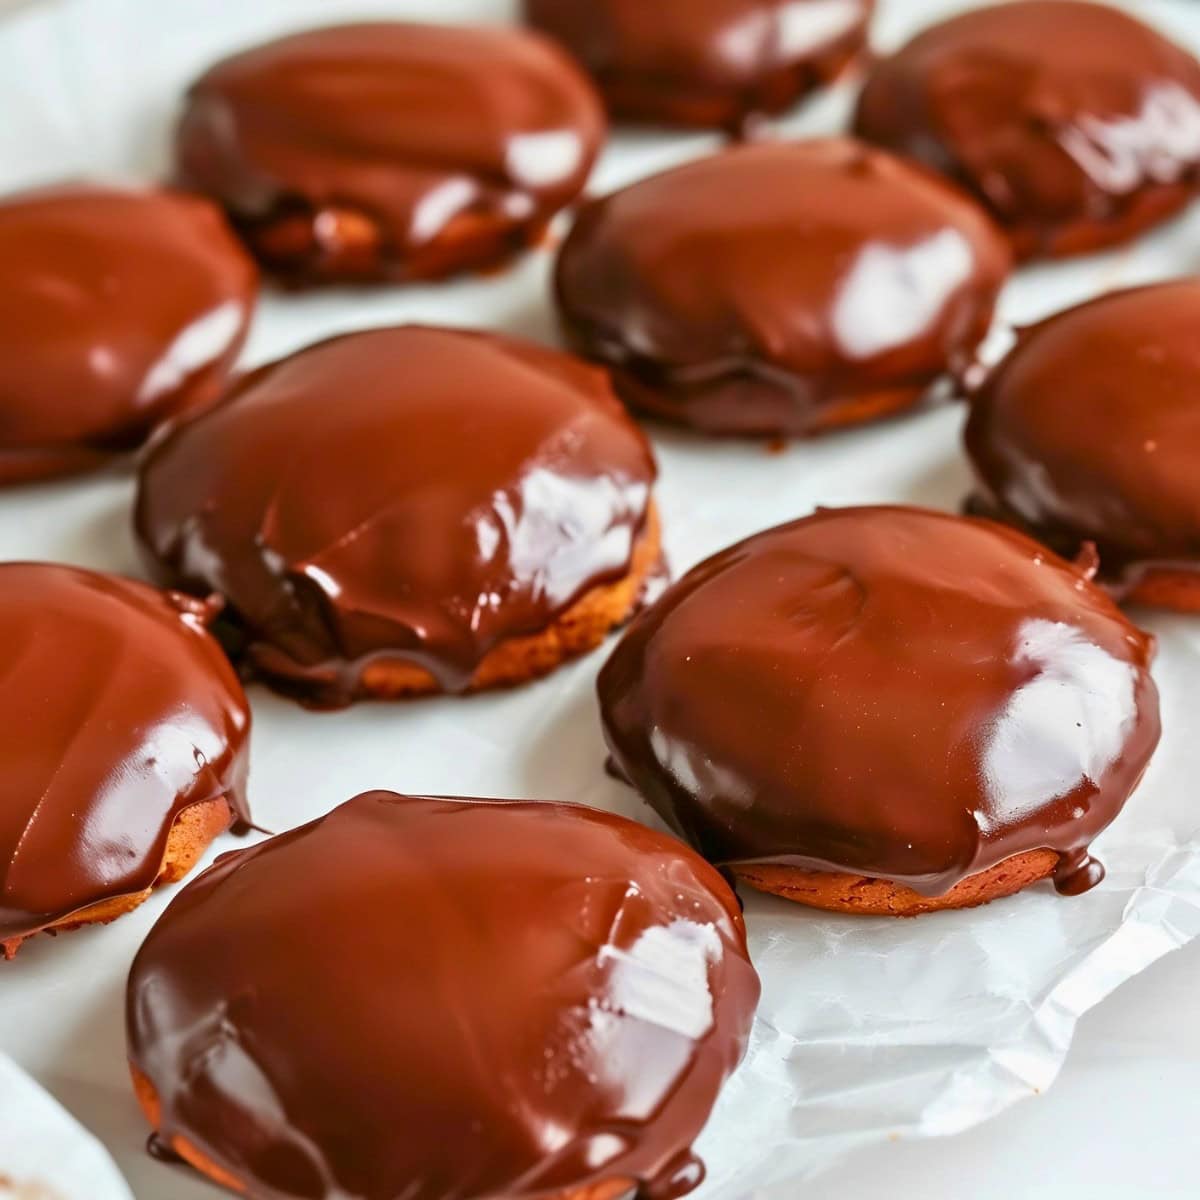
x=44 y=1153
x=869 y=1030
x=1119 y=1124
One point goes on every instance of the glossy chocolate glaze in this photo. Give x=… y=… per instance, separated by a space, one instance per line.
x=706 y=62
x=1076 y=124
x=380 y=142
x=119 y=308
x=410 y=493
x=118 y=712
x=435 y=997
x=763 y=289
x=1089 y=430
x=889 y=692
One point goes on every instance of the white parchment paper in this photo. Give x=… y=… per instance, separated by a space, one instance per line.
x=44 y=1153
x=868 y=1029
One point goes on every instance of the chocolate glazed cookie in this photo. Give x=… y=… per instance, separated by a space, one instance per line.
x=886 y=710
x=712 y=63
x=409 y=510
x=1077 y=125
x=781 y=288
x=391 y=150
x=123 y=744
x=1089 y=432
x=442 y=997
x=120 y=309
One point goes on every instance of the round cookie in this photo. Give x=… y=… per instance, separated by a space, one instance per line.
x=1089 y=431
x=409 y=510
x=781 y=288
x=886 y=710
x=720 y=63
x=1077 y=125
x=561 y=990
x=451 y=151
x=119 y=309
x=123 y=741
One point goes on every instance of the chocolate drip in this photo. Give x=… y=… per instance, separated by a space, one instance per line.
x=780 y=288
x=161 y=1152
x=1073 y=122
x=450 y=997
x=888 y=692
x=118 y=712
x=119 y=309
x=414 y=494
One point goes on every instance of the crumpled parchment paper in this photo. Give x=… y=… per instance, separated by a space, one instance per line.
x=868 y=1028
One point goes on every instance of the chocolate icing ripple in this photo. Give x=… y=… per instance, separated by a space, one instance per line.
x=889 y=692
x=409 y=493
x=717 y=63
x=118 y=712
x=1074 y=122
x=445 y=998
x=778 y=287
x=119 y=308
x=1089 y=430
x=375 y=144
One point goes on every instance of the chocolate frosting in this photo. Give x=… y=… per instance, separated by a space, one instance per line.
x=118 y=712
x=446 y=998
x=888 y=692
x=715 y=62
x=1075 y=123
x=119 y=308
x=753 y=291
x=411 y=493
x=1089 y=430
x=414 y=127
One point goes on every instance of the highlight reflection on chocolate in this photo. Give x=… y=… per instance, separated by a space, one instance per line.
x=400 y=504
x=780 y=288
x=444 y=997
x=1077 y=125
x=119 y=309
x=1089 y=431
x=709 y=65
x=391 y=150
x=890 y=693
x=119 y=717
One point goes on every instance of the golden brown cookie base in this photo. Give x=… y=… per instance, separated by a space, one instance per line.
x=864 y=896
x=147 y=1097
x=1171 y=589
x=1148 y=207
x=580 y=629
x=347 y=246
x=193 y=831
